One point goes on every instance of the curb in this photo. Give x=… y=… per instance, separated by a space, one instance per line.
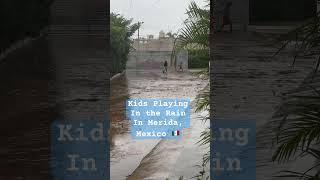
x=116 y=76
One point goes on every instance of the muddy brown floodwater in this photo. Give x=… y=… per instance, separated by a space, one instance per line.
x=154 y=159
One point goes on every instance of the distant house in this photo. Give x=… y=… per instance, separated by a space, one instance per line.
x=155 y=51
x=163 y=43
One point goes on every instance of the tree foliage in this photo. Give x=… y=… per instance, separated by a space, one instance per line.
x=121 y=31
x=297 y=122
x=306 y=40
x=194 y=37
x=298 y=133
x=195 y=33
x=198 y=58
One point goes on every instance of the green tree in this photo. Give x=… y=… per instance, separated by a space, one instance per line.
x=194 y=37
x=195 y=33
x=121 y=31
x=297 y=122
x=298 y=133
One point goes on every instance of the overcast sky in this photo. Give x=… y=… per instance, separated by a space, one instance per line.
x=166 y=15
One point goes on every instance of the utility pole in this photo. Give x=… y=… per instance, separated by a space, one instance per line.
x=139 y=23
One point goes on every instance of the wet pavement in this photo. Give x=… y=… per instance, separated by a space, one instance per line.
x=154 y=159
x=50 y=79
x=53 y=77
x=26 y=113
x=249 y=83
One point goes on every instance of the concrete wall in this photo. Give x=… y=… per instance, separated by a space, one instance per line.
x=162 y=44
x=182 y=60
x=151 y=54
x=148 y=59
x=155 y=59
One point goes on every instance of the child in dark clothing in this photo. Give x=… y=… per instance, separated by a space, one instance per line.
x=226 y=18
x=165 y=66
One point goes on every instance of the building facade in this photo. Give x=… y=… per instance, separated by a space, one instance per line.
x=151 y=52
x=151 y=44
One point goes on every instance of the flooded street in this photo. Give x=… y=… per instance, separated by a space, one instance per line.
x=154 y=159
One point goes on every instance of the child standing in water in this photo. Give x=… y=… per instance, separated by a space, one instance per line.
x=165 y=66
x=226 y=18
